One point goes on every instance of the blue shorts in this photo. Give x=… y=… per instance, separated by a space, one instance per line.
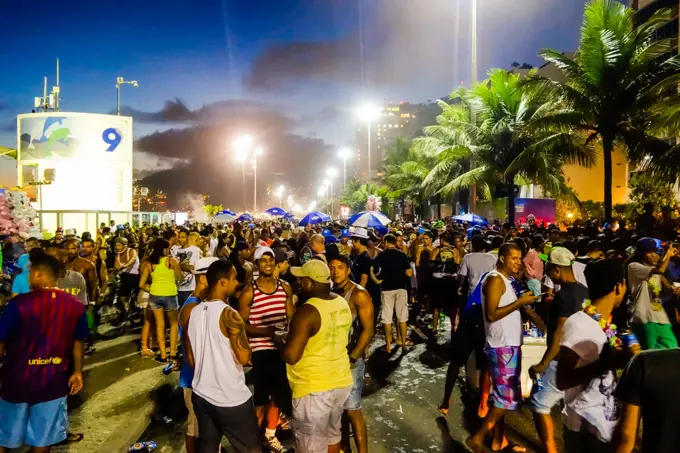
x=167 y=303
x=353 y=402
x=542 y=401
x=38 y=425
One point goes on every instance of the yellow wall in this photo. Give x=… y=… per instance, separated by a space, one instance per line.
x=588 y=183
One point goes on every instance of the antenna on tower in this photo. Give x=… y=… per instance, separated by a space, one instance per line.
x=57 y=91
x=49 y=102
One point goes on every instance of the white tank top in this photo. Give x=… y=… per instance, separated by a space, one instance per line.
x=218 y=378
x=506 y=331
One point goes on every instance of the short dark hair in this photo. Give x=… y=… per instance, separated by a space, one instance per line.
x=429 y=233
x=342 y=258
x=496 y=241
x=506 y=248
x=390 y=239
x=183 y=230
x=87 y=240
x=602 y=277
x=217 y=271
x=168 y=234
x=46 y=263
x=445 y=236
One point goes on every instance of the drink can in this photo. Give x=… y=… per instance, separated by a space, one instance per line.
x=139 y=446
x=629 y=340
x=167 y=369
x=151 y=445
x=538 y=382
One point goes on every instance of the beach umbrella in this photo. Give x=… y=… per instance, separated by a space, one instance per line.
x=245 y=217
x=289 y=217
x=314 y=217
x=369 y=219
x=228 y=212
x=223 y=217
x=277 y=212
x=472 y=219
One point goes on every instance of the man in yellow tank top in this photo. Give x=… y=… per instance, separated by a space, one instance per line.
x=318 y=364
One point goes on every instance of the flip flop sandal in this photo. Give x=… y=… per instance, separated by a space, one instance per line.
x=443 y=410
x=147 y=353
x=74 y=437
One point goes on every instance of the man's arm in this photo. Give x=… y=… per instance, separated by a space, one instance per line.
x=305 y=324
x=374 y=277
x=625 y=434
x=9 y=320
x=103 y=278
x=493 y=290
x=245 y=300
x=552 y=350
x=131 y=261
x=234 y=328
x=531 y=315
x=417 y=258
x=364 y=307
x=290 y=304
x=92 y=281
x=75 y=382
x=184 y=316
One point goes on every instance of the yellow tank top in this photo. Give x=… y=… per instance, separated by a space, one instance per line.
x=163 y=280
x=325 y=364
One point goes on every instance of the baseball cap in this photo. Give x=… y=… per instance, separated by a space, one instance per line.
x=594 y=246
x=358 y=232
x=331 y=239
x=559 y=256
x=69 y=232
x=646 y=245
x=260 y=251
x=203 y=264
x=317 y=270
x=345 y=233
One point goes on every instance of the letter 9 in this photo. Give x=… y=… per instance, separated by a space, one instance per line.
x=112 y=138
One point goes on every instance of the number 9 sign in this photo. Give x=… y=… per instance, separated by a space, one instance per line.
x=112 y=137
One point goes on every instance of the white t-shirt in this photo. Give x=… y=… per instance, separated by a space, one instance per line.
x=595 y=402
x=189 y=255
x=645 y=291
x=475 y=265
x=506 y=331
x=579 y=274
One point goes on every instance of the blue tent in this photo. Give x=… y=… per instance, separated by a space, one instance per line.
x=314 y=217
x=278 y=212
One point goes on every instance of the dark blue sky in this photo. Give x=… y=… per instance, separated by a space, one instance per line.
x=308 y=61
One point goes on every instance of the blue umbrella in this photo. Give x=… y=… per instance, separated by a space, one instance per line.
x=224 y=217
x=278 y=212
x=227 y=212
x=369 y=219
x=472 y=219
x=314 y=217
x=289 y=217
x=245 y=217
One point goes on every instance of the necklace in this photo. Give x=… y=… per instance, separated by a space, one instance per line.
x=606 y=325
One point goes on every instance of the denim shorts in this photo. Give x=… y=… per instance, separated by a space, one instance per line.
x=167 y=303
x=353 y=402
x=38 y=425
x=542 y=401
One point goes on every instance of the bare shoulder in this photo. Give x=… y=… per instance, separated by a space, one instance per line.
x=185 y=313
x=287 y=287
x=232 y=321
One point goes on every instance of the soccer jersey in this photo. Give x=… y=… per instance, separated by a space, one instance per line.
x=38 y=329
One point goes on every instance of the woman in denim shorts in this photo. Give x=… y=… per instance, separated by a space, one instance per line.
x=164 y=271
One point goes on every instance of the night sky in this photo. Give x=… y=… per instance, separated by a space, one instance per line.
x=288 y=72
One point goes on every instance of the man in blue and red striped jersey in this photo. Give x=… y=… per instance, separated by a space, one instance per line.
x=42 y=336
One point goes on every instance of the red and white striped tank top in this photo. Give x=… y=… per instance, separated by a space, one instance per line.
x=267 y=310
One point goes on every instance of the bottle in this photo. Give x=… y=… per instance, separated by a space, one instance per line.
x=167 y=369
x=629 y=340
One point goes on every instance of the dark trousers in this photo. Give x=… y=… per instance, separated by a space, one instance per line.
x=238 y=423
x=581 y=442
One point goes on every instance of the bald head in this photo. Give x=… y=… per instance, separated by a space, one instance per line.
x=317 y=243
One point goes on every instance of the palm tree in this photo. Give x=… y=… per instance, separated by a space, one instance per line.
x=488 y=126
x=405 y=171
x=356 y=195
x=619 y=89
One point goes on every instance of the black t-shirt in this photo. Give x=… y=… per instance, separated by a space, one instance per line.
x=391 y=266
x=567 y=301
x=651 y=382
x=362 y=265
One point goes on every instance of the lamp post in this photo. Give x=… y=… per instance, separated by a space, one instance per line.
x=258 y=151
x=368 y=113
x=344 y=154
x=332 y=173
x=279 y=194
x=120 y=81
x=242 y=145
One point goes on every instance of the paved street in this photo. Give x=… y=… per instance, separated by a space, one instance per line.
x=124 y=392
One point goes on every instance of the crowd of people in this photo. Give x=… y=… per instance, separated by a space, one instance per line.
x=298 y=307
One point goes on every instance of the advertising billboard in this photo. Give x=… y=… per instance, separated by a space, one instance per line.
x=82 y=160
x=543 y=209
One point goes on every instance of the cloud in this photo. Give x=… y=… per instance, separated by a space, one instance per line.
x=10 y=126
x=4 y=106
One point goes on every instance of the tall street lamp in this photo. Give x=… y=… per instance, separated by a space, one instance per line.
x=344 y=154
x=332 y=173
x=242 y=146
x=120 y=81
x=279 y=194
x=368 y=113
x=258 y=151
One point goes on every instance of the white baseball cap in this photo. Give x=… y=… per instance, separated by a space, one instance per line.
x=203 y=264
x=260 y=251
x=559 y=256
x=315 y=269
x=358 y=232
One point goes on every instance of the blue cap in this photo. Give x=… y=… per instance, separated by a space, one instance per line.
x=331 y=239
x=120 y=227
x=420 y=230
x=345 y=233
x=326 y=232
x=646 y=245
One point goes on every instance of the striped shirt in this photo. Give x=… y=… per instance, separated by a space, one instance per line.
x=38 y=329
x=267 y=310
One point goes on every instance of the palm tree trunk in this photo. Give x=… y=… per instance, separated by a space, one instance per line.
x=607 y=149
x=510 y=183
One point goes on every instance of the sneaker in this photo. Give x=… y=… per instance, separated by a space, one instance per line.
x=90 y=349
x=272 y=444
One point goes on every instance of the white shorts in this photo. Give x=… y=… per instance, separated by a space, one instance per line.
x=394 y=302
x=317 y=419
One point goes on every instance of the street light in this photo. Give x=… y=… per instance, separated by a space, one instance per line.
x=368 y=113
x=344 y=154
x=332 y=173
x=258 y=151
x=120 y=81
x=279 y=193
x=242 y=146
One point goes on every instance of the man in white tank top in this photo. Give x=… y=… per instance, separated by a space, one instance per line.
x=217 y=349
x=503 y=327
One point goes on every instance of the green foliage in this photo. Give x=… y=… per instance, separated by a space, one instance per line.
x=619 y=89
x=356 y=195
x=212 y=210
x=645 y=188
